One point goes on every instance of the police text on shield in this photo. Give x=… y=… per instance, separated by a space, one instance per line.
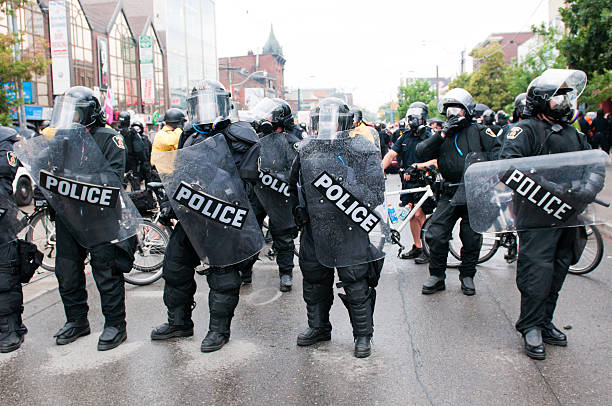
x=103 y=196
x=210 y=207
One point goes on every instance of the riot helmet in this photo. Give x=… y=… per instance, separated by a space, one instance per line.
x=457 y=99
x=357 y=117
x=488 y=117
x=555 y=94
x=271 y=114
x=417 y=114
x=519 y=107
x=175 y=117
x=331 y=116
x=501 y=118
x=402 y=124
x=208 y=105
x=124 y=119
x=77 y=106
x=479 y=110
x=138 y=127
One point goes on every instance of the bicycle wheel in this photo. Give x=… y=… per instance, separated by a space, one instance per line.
x=490 y=245
x=41 y=232
x=149 y=256
x=592 y=254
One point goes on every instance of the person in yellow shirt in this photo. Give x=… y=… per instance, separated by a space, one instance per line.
x=167 y=139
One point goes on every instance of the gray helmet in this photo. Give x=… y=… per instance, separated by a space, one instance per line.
x=457 y=97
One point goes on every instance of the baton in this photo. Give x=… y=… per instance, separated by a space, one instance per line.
x=602 y=203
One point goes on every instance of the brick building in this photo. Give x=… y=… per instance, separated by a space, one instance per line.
x=509 y=41
x=254 y=76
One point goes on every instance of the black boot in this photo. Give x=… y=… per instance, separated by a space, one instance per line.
x=286 y=282
x=534 y=347
x=179 y=325
x=551 y=335
x=361 y=315
x=10 y=337
x=218 y=334
x=111 y=337
x=319 y=327
x=71 y=331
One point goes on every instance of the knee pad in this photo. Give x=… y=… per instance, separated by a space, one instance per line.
x=177 y=274
x=224 y=279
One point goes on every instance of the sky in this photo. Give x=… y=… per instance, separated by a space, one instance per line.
x=367 y=47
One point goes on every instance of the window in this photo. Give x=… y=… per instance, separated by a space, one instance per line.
x=82 y=49
x=122 y=49
x=158 y=69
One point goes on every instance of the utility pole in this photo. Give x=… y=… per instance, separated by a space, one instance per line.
x=299 y=99
x=463 y=61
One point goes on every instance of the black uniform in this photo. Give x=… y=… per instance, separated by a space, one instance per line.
x=405 y=147
x=136 y=156
x=145 y=168
x=181 y=258
x=451 y=152
x=282 y=238
x=108 y=261
x=358 y=281
x=545 y=254
x=11 y=296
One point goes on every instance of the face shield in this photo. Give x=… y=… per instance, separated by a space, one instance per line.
x=455 y=111
x=415 y=112
x=569 y=85
x=208 y=106
x=263 y=110
x=456 y=97
x=68 y=111
x=328 y=121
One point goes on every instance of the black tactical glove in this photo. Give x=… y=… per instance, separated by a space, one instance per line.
x=166 y=214
x=300 y=215
x=421 y=130
x=454 y=125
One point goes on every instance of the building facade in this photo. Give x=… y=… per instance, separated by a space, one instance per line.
x=254 y=76
x=116 y=46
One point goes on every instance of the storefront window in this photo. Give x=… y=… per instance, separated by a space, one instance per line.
x=123 y=61
x=29 y=22
x=158 y=69
x=82 y=49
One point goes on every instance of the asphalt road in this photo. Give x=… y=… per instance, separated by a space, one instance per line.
x=445 y=349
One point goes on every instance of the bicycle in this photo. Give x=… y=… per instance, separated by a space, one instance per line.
x=41 y=232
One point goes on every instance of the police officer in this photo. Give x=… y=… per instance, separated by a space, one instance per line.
x=145 y=167
x=546 y=254
x=459 y=137
x=478 y=112
x=135 y=149
x=405 y=147
x=398 y=133
x=501 y=118
x=108 y=260
x=180 y=258
x=488 y=119
x=359 y=280
x=277 y=118
x=12 y=329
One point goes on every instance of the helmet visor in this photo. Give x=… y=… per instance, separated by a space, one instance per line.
x=415 y=112
x=208 y=106
x=328 y=121
x=263 y=110
x=457 y=96
x=68 y=110
x=565 y=81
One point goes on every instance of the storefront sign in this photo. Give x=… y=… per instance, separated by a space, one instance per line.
x=58 y=32
x=103 y=62
x=147 y=71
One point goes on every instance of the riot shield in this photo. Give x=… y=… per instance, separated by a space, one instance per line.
x=80 y=186
x=344 y=189
x=272 y=189
x=210 y=200
x=545 y=191
x=11 y=221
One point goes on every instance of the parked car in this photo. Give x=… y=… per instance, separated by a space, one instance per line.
x=23 y=187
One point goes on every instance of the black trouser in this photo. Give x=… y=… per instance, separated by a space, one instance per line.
x=11 y=295
x=318 y=290
x=440 y=232
x=282 y=240
x=544 y=259
x=180 y=261
x=108 y=275
x=136 y=179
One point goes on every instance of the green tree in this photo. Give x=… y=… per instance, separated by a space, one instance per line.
x=462 y=81
x=586 y=45
x=414 y=90
x=15 y=65
x=598 y=90
x=488 y=84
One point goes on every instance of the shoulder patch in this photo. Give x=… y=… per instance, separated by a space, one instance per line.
x=491 y=133
x=11 y=157
x=118 y=140
x=515 y=132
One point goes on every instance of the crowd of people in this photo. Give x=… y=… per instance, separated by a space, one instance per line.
x=224 y=177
